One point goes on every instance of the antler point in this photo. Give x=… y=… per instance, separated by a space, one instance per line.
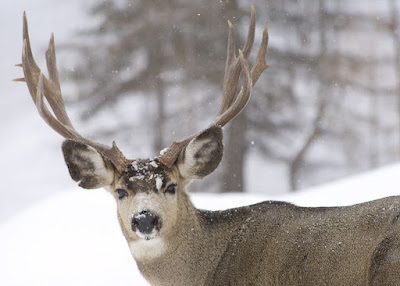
x=22 y=79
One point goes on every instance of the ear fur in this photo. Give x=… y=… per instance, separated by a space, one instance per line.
x=202 y=155
x=86 y=165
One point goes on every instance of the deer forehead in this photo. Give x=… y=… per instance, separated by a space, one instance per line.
x=146 y=175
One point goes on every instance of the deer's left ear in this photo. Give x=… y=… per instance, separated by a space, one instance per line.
x=202 y=155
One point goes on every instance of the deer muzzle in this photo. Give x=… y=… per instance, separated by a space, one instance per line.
x=146 y=223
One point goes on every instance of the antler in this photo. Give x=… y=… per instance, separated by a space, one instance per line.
x=235 y=65
x=39 y=86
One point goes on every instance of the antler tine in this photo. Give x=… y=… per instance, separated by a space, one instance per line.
x=39 y=86
x=230 y=53
x=260 y=64
x=242 y=98
x=19 y=79
x=52 y=63
x=233 y=66
x=25 y=35
x=250 y=34
x=249 y=41
x=55 y=100
x=57 y=126
x=231 y=105
x=30 y=68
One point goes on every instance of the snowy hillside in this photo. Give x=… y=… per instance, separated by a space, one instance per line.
x=73 y=238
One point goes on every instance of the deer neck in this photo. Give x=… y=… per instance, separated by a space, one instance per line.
x=184 y=255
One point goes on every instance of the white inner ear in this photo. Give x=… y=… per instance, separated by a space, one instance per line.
x=100 y=168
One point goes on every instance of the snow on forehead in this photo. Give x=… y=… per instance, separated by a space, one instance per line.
x=148 y=170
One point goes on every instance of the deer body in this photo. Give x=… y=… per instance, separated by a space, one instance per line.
x=173 y=243
x=274 y=243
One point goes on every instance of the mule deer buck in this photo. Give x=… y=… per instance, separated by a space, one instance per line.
x=173 y=243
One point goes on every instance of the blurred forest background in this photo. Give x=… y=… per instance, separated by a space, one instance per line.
x=146 y=73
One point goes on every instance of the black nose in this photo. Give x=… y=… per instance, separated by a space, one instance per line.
x=145 y=222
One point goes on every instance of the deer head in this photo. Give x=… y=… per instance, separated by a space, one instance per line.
x=150 y=193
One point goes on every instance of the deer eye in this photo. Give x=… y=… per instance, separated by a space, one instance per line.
x=121 y=193
x=170 y=189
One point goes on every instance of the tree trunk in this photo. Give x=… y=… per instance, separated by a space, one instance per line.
x=158 y=143
x=298 y=160
x=234 y=155
x=396 y=43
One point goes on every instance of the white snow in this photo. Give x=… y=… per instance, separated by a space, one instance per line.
x=154 y=163
x=162 y=152
x=137 y=177
x=134 y=165
x=73 y=238
x=159 y=182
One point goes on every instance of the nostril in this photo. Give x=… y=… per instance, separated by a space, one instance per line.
x=145 y=222
x=144 y=212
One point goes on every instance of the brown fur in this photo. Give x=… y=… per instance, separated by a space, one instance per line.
x=274 y=243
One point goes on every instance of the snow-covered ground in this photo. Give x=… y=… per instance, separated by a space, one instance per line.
x=73 y=237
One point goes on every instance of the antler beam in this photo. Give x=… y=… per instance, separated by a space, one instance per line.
x=39 y=87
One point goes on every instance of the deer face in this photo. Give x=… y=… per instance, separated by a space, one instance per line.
x=150 y=196
x=146 y=195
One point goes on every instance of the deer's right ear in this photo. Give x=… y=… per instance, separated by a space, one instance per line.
x=202 y=155
x=87 y=166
